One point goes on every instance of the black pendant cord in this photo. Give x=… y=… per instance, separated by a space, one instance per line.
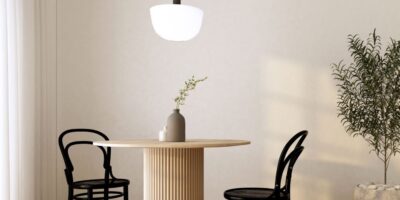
x=177 y=1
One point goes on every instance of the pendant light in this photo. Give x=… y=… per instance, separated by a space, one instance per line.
x=176 y=22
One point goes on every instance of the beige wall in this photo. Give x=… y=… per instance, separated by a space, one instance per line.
x=269 y=76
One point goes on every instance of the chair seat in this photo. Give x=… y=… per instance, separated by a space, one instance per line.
x=253 y=194
x=99 y=183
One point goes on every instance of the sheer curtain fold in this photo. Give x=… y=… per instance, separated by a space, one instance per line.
x=18 y=101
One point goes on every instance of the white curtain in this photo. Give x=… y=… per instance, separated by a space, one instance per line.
x=19 y=160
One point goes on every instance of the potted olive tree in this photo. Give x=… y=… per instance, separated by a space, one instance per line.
x=369 y=104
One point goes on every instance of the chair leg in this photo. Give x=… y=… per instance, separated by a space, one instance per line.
x=90 y=194
x=126 y=193
x=106 y=191
x=70 y=193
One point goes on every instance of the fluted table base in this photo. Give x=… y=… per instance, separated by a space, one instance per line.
x=173 y=174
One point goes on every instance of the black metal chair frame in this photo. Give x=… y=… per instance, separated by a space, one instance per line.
x=283 y=162
x=109 y=178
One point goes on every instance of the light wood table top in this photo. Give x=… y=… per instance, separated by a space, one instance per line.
x=154 y=143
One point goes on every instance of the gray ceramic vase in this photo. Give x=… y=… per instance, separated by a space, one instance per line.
x=175 y=127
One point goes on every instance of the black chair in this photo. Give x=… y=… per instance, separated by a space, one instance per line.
x=281 y=193
x=92 y=186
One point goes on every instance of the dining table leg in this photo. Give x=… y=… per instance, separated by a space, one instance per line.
x=173 y=174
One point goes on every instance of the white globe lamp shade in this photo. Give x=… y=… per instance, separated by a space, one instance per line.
x=176 y=22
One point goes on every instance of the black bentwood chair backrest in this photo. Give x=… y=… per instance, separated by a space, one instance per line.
x=288 y=161
x=69 y=166
x=65 y=152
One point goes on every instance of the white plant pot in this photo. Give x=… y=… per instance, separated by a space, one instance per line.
x=376 y=192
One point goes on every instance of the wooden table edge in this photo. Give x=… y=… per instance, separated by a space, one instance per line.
x=152 y=143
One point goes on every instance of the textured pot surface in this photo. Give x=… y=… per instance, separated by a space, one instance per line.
x=376 y=192
x=175 y=127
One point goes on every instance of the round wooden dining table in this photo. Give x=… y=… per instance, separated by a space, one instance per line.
x=173 y=170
